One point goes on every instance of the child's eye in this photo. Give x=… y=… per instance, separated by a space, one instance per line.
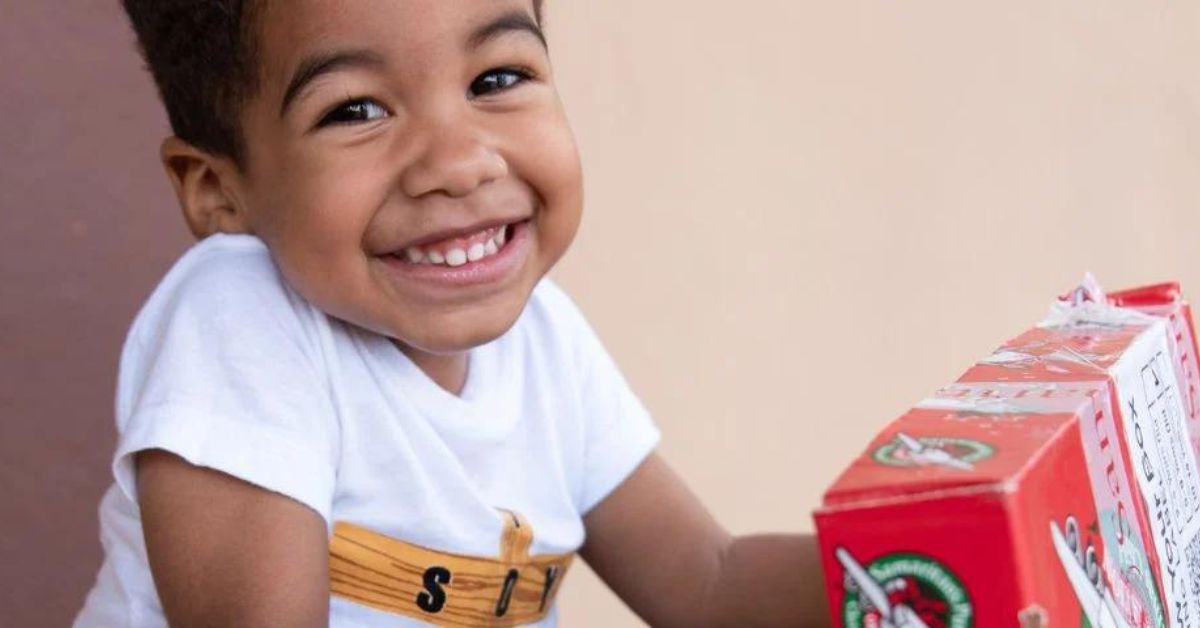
x=497 y=80
x=353 y=111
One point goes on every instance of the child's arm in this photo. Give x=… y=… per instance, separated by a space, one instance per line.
x=226 y=553
x=657 y=547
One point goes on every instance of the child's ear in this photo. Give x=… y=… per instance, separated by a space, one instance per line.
x=206 y=186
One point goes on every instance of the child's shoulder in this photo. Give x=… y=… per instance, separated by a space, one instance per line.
x=222 y=284
x=223 y=261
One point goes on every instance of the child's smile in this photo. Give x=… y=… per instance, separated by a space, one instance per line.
x=471 y=257
x=416 y=181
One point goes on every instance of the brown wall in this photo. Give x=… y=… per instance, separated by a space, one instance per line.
x=87 y=225
x=802 y=216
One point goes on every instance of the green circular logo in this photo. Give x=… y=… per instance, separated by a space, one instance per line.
x=917 y=451
x=915 y=585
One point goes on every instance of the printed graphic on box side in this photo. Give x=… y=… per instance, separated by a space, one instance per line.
x=942 y=451
x=1104 y=603
x=987 y=398
x=903 y=590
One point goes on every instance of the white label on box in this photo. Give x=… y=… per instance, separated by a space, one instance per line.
x=1165 y=467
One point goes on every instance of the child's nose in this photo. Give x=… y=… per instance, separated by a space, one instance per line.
x=452 y=162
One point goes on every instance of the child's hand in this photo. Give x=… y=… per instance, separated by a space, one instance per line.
x=226 y=553
x=657 y=547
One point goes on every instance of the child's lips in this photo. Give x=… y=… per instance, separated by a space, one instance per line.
x=468 y=267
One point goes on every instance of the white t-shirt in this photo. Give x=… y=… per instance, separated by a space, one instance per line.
x=227 y=367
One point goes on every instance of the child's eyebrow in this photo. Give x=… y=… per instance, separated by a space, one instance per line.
x=323 y=63
x=513 y=21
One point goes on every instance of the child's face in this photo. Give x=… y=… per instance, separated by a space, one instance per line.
x=425 y=129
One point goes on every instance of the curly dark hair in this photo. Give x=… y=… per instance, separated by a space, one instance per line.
x=203 y=57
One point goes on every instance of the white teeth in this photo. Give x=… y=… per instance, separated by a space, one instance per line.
x=458 y=256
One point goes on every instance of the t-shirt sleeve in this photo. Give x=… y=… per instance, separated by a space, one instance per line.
x=619 y=432
x=223 y=368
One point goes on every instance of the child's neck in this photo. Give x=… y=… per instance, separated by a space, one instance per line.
x=447 y=371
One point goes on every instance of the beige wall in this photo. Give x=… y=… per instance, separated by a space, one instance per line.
x=802 y=216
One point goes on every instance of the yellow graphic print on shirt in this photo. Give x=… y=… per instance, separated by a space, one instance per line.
x=443 y=588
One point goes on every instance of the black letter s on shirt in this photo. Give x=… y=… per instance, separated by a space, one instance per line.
x=434 y=598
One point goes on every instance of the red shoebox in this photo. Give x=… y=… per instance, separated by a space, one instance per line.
x=1054 y=484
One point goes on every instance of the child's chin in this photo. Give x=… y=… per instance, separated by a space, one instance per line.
x=451 y=338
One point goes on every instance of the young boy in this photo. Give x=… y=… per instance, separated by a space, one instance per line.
x=357 y=400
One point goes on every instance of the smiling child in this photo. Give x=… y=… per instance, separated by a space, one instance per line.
x=358 y=400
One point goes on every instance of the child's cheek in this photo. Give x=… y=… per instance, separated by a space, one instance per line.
x=549 y=158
